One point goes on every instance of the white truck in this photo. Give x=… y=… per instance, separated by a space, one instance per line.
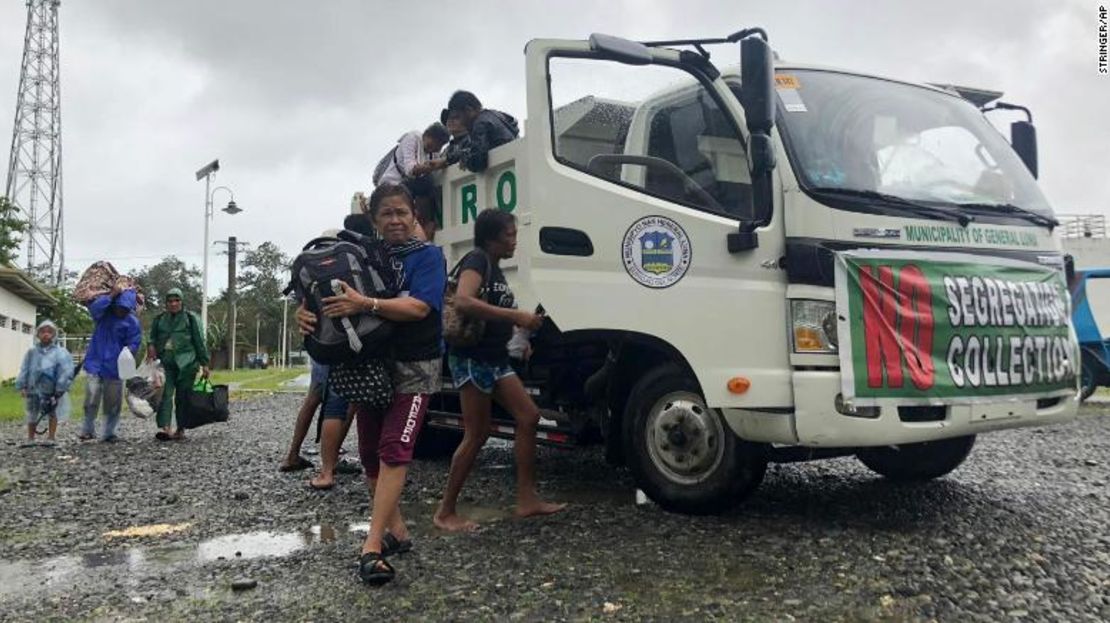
x=775 y=262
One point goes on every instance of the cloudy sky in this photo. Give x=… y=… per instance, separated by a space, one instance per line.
x=299 y=98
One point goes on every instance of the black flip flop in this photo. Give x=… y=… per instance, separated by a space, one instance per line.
x=374 y=569
x=316 y=487
x=162 y=436
x=392 y=545
x=348 y=467
x=302 y=463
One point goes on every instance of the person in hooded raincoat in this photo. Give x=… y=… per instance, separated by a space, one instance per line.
x=117 y=327
x=44 y=378
x=177 y=340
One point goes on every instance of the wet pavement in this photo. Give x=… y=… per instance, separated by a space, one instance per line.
x=207 y=529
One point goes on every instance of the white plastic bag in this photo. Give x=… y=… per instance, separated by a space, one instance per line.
x=125 y=363
x=144 y=389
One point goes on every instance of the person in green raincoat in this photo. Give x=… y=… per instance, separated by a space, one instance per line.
x=176 y=339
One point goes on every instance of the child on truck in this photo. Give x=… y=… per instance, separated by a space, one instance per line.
x=44 y=378
x=486 y=129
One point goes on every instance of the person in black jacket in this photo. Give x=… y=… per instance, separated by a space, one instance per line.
x=486 y=128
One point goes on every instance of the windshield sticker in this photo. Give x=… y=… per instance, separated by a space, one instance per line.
x=945 y=328
x=787 y=81
x=791 y=100
x=656 y=252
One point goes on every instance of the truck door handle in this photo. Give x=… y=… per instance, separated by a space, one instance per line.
x=565 y=241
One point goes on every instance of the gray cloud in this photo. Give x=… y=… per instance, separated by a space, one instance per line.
x=299 y=99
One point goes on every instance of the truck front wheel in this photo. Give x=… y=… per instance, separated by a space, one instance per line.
x=914 y=462
x=682 y=453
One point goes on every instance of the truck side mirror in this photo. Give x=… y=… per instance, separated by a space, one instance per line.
x=757 y=73
x=757 y=97
x=1023 y=138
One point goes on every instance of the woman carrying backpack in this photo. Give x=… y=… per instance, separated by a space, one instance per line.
x=386 y=439
x=482 y=372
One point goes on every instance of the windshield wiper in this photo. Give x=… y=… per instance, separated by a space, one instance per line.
x=921 y=208
x=1009 y=208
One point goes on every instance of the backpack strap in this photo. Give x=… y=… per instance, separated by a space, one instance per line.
x=489 y=277
x=457 y=270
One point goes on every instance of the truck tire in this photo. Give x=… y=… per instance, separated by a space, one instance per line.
x=682 y=454
x=916 y=462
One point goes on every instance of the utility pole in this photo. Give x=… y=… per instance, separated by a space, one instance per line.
x=232 y=248
x=34 y=183
x=232 y=252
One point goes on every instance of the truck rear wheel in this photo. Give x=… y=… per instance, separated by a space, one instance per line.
x=915 y=462
x=682 y=453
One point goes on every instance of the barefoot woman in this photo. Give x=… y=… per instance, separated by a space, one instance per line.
x=482 y=372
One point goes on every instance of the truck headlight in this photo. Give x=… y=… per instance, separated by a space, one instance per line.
x=813 y=326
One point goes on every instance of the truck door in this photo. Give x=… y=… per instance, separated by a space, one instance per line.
x=636 y=175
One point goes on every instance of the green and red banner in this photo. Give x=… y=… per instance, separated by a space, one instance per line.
x=949 y=328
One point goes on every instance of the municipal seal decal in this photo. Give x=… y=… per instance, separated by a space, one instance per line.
x=656 y=252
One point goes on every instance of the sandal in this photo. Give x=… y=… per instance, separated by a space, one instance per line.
x=348 y=467
x=392 y=545
x=375 y=570
x=302 y=463
x=86 y=437
x=315 y=487
x=162 y=436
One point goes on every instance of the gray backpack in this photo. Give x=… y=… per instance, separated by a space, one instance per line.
x=361 y=263
x=383 y=164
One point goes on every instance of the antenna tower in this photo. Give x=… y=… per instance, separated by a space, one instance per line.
x=35 y=165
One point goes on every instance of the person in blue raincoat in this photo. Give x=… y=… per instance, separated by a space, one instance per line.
x=44 y=378
x=117 y=327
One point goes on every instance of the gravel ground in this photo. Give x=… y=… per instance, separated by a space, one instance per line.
x=1021 y=531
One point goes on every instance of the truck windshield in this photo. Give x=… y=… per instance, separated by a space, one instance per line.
x=857 y=133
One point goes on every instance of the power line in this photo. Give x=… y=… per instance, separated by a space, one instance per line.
x=116 y=258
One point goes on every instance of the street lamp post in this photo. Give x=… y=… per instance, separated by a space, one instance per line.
x=284 y=332
x=206 y=173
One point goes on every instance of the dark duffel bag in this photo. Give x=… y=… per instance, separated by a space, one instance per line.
x=207 y=403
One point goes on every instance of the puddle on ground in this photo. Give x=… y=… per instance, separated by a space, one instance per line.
x=128 y=564
x=483 y=514
x=60 y=572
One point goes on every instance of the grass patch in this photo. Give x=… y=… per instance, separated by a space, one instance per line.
x=256 y=380
x=11 y=403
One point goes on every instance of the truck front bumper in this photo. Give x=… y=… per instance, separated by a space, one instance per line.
x=816 y=421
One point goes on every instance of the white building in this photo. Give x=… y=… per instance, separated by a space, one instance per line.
x=20 y=297
x=1085 y=239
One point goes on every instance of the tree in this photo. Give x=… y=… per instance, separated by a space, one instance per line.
x=265 y=274
x=12 y=226
x=167 y=274
x=71 y=317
